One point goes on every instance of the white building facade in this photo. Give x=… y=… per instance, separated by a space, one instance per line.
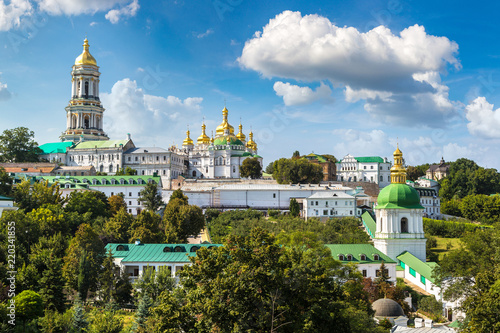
x=371 y=169
x=328 y=204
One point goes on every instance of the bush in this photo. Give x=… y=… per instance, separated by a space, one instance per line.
x=449 y=229
x=430 y=305
x=274 y=213
x=29 y=305
x=55 y=322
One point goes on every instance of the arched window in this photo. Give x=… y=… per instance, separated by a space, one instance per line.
x=404 y=225
x=362 y=257
x=97 y=122
x=111 y=168
x=120 y=248
x=73 y=121
x=101 y=168
x=86 y=122
x=376 y=257
x=349 y=257
x=194 y=248
x=167 y=249
x=341 y=257
x=194 y=173
x=78 y=88
x=178 y=249
x=86 y=89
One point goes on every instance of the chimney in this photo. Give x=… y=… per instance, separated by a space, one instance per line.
x=128 y=136
x=429 y=323
x=419 y=322
x=137 y=242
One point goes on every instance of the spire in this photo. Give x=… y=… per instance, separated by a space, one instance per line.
x=203 y=139
x=240 y=136
x=398 y=171
x=187 y=141
x=251 y=144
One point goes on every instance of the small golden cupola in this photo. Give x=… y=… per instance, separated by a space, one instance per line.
x=187 y=141
x=203 y=139
x=85 y=58
x=224 y=125
x=251 y=144
x=240 y=136
x=398 y=171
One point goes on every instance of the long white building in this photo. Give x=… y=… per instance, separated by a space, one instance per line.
x=371 y=169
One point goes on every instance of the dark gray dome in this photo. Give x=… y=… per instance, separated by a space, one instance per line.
x=386 y=307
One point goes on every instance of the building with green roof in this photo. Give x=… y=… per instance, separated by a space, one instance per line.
x=6 y=203
x=372 y=169
x=135 y=258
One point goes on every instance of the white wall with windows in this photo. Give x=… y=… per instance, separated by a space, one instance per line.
x=328 y=204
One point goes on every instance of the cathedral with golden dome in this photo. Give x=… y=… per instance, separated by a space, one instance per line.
x=220 y=156
x=84 y=113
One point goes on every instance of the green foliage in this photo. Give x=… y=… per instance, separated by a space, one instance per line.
x=182 y=221
x=385 y=324
x=274 y=213
x=87 y=242
x=123 y=291
x=296 y=154
x=211 y=213
x=481 y=207
x=108 y=279
x=55 y=322
x=52 y=285
x=254 y=284
x=296 y=171
x=106 y=322
x=449 y=229
x=329 y=157
x=127 y=172
x=150 y=197
x=117 y=203
x=294 y=207
x=29 y=305
x=146 y=227
x=152 y=283
x=178 y=194
x=251 y=168
x=5 y=183
x=17 y=145
x=270 y=168
x=430 y=305
x=29 y=197
x=451 y=207
x=83 y=276
x=142 y=313
x=117 y=228
x=94 y=202
x=467 y=178
x=80 y=321
x=414 y=172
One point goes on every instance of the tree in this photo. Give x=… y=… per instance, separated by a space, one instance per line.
x=331 y=158
x=146 y=227
x=5 y=183
x=52 y=285
x=255 y=284
x=251 y=168
x=106 y=322
x=108 y=278
x=29 y=197
x=182 y=221
x=152 y=283
x=296 y=171
x=94 y=202
x=17 y=145
x=117 y=228
x=80 y=323
x=142 y=313
x=150 y=197
x=178 y=194
x=127 y=172
x=294 y=207
x=116 y=203
x=123 y=292
x=83 y=276
x=87 y=245
x=29 y=305
x=296 y=155
x=270 y=168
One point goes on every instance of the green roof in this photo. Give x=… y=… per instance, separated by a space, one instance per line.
x=247 y=153
x=225 y=140
x=370 y=159
x=356 y=250
x=423 y=268
x=155 y=252
x=320 y=158
x=257 y=156
x=369 y=223
x=398 y=196
x=56 y=147
x=2 y=198
x=104 y=180
x=101 y=144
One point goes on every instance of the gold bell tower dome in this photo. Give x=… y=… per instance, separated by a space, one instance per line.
x=398 y=171
x=85 y=58
x=219 y=131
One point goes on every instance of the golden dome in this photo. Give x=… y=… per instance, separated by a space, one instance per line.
x=219 y=131
x=251 y=144
x=203 y=138
x=187 y=141
x=240 y=134
x=85 y=58
x=398 y=171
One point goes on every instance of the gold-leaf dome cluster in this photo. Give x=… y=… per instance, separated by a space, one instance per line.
x=85 y=58
x=224 y=125
x=240 y=136
x=187 y=141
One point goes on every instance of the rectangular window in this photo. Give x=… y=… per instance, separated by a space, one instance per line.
x=274 y=195
x=112 y=193
x=325 y=212
x=402 y=264
x=422 y=279
x=412 y=272
x=316 y=203
x=130 y=203
x=312 y=203
x=364 y=273
x=371 y=167
x=364 y=167
x=129 y=194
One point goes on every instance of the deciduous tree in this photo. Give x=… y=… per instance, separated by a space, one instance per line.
x=251 y=168
x=151 y=197
x=18 y=145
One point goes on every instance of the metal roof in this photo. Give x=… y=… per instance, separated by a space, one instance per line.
x=369 y=223
x=145 y=150
x=101 y=144
x=423 y=268
x=356 y=250
x=56 y=147
x=149 y=253
x=330 y=195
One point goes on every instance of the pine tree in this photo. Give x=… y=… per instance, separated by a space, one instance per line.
x=52 y=285
x=124 y=288
x=294 y=207
x=108 y=280
x=80 y=323
x=142 y=313
x=83 y=276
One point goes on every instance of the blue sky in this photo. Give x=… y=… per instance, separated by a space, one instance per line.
x=333 y=77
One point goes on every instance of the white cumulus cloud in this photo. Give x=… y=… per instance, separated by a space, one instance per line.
x=296 y=95
x=396 y=74
x=204 y=34
x=360 y=143
x=483 y=120
x=149 y=118
x=11 y=13
x=4 y=92
x=130 y=10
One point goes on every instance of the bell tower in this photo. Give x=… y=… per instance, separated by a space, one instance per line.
x=84 y=113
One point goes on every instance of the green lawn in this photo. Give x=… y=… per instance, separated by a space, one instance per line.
x=441 y=248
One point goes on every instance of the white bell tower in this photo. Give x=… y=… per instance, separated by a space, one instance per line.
x=84 y=113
